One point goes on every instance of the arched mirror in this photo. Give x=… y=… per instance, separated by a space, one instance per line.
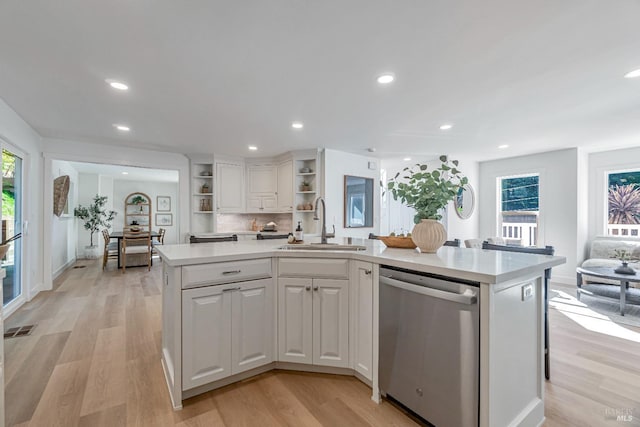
x=465 y=201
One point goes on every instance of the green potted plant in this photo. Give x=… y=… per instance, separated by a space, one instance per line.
x=428 y=192
x=95 y=217
x=138 y=199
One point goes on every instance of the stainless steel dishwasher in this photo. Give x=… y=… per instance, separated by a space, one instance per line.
x=429 y=345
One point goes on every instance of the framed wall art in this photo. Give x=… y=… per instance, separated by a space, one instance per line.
x=163 y=204
x=164 y=219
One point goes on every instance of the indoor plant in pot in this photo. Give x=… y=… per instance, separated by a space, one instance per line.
x=428 y=192
x=95 y=217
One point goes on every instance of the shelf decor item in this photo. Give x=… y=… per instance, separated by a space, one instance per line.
x=95 y=218
x=138 y=200
x=428 y=192
x=398 y=242
x=305 y=186
x=624 y=258
x=205 y=189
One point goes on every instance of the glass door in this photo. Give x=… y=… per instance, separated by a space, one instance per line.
x=11 y=224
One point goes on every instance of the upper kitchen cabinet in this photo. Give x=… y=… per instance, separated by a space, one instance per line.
x=262 y=188
x=230 y=186
x=270 y=187
x=285 y=186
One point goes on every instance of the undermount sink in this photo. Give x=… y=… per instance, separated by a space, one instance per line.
x=323 y=247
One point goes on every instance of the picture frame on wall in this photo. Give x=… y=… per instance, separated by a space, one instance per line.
x=164 y=219
x=163 y=204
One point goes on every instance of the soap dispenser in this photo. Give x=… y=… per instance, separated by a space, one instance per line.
x=298 y=233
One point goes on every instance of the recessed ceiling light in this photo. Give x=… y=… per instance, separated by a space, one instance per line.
x=386 y=78
x=253 y=148
x=125 y=173
x=122 y=128
x=297 y=125
x=117 y=85
x=503 y=146
x=633 y=74
x=407 y=159
x=446 y=126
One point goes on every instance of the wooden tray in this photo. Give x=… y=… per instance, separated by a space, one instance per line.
x=397 y=242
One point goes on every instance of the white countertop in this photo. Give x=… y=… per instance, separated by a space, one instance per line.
x=486 y=266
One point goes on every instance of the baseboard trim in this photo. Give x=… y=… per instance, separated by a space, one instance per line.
x=35 y=291
x=563 y=279
x=14 y=305
x=63 y=268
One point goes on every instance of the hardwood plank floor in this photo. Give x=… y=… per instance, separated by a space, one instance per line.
x=94 y=360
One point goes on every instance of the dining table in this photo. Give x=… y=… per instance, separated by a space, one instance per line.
x=119 y=235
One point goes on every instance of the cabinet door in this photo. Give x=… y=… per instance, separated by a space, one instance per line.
x=363 y=318
x=269 y=203
x=252 y=325
x=230 y=187
x=262 y=180
x=294 y=320
x=331 y=322
x=254 y=204
x=285 y=186
x=206 y=335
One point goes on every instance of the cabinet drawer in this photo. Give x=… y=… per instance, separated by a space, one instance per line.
x=316 y=268
x=225 y=272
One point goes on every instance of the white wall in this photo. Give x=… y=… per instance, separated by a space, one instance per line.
x=599 y=165
x=396 y=217
x=122 y=188
x=15 y=131
x=64 y=232
x=337 y=164
x=558 y=221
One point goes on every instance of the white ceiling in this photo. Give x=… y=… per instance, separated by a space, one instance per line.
x=133 y=173
x=215 y=76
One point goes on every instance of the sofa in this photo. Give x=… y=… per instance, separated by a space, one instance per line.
x=602 y=252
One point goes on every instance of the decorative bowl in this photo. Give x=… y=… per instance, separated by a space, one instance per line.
x=397 y=242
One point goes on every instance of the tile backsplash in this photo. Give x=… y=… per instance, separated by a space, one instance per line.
x=227 y=223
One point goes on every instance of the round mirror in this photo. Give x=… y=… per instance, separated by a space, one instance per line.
x=465 y=201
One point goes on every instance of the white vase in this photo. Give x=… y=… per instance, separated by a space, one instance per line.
x=92 y=252
x=429 y=235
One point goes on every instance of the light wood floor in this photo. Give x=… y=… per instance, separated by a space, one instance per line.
x=94 y=360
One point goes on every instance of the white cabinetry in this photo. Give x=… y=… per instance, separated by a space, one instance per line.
x=230 y=186
x=206 y=335
x=226 y=329
x=285 y=186
x=262 y=186
x=362 y=317
x=313 y=318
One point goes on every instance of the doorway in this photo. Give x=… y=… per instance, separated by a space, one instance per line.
x=12 y=191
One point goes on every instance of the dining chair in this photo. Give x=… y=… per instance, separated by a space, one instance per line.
x=547 y=250
x=136 y=243
x=110 y=248
x=232 y=238
x=473 y=243
x=455 y=243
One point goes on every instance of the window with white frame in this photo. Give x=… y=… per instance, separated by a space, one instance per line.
x=623 y=203
x=519 y=209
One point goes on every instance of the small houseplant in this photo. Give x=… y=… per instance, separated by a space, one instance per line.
x=624 y=257
x=428 y=192
x=305 y=186
x=95 y=217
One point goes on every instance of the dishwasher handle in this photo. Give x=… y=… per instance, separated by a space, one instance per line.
x=468 y=297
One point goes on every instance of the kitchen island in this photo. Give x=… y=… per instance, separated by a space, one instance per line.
x=236 y=309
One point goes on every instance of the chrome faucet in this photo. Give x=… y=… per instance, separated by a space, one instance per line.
x=324 y=234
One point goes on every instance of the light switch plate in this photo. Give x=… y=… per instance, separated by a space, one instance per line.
x=527 y=291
